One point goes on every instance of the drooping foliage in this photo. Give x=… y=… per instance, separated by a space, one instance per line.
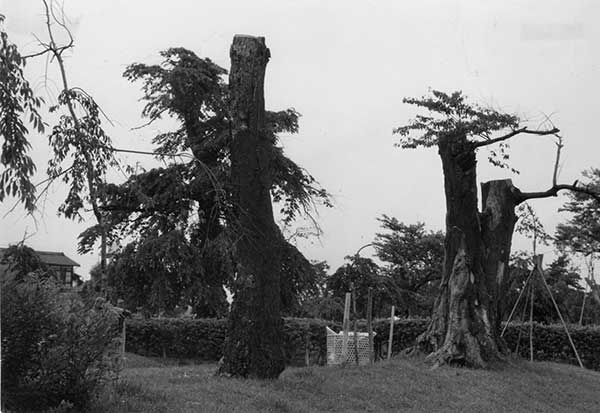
x=165 y=272
x=195 y=197
x=18 y=108
x=82 y=152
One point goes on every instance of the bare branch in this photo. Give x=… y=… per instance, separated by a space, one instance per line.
x=152 y=119
x=559 y=146
x=553 y=191
x=40 y=53
x=515 y=132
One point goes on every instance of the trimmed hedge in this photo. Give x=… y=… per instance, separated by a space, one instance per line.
x=550 y=343
x=202 y=339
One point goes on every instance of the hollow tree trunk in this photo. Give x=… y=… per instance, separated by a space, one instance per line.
x=498 y=219
x=466 y=317
x=253 y=347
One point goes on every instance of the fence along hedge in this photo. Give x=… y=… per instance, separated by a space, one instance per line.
x=306 y=339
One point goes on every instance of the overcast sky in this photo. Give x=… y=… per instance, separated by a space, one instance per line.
x=345 y=66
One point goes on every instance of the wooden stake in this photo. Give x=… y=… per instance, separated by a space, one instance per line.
x=370 y=325
x=517 y=302
x=560 y=316
x=355 y=337
x=531 y=324
x=391 y=338
x=582 y=307
x=346 y=327
x=124 y=337
x=307 y=345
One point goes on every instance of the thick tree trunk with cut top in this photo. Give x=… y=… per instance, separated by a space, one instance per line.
x=498 y=219
x=464 y=328
x=253 y=347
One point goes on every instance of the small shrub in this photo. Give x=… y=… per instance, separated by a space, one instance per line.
x=54 y=350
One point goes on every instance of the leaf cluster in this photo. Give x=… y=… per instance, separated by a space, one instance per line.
x=81 y=142
x=18 y=106
x=581 y=233
x=530 y=226
x=450 y=116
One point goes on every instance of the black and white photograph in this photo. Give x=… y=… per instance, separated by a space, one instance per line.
x=299 y=206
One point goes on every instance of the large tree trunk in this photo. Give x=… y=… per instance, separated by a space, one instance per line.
x=464 y=328
x=498 y=219
x=253 y=347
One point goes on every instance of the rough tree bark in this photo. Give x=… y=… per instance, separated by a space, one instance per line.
x=254 y=345
x=468 y=310
x=465 y=322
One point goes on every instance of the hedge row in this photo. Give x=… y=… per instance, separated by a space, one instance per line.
x=305 y=340
x=550 y=343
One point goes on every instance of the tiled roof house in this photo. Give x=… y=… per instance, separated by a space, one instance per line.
x=62 y=266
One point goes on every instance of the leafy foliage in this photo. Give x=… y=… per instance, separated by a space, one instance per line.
x=80 y=141
x=361 y=274
x=17 y=101
x=194 y=199
x=163 y=272
x=581 y=233
x=20 y=261
x=53 y=348
x=530 y=225
x=450 y=115
x=414 y=259
x=563 y=280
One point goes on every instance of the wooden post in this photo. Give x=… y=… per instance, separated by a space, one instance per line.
x=582 y=307
x=391 y=338
x=355 y=337
x=307 y=345
x=531 y=324
x=346 y=327
x=124 y=337
x=517 y=302
x=370 y=324
x=560 y=316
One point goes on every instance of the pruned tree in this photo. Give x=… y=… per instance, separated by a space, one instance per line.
x=253 y=346
x=465 y=322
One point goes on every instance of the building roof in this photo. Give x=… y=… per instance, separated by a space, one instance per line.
x=52 y=258
x=55 y=258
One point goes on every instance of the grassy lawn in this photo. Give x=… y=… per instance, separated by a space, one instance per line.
x=397 y=385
